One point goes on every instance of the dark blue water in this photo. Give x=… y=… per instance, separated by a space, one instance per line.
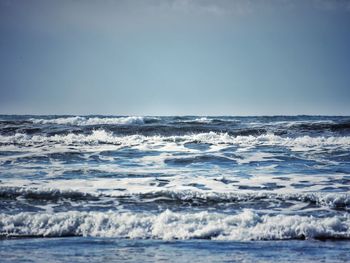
x=174 y=188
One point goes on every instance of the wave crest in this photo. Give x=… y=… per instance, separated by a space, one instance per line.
x=169 y=225
x=213 y=138
x=84 y=121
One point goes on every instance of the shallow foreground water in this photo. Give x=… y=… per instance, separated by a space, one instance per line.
x=88 y=249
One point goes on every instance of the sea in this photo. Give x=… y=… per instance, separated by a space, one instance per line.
x=174 y=188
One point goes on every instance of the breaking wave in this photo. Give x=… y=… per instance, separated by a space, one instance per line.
x=169 y=225
x=102 y=136
x=78 y=120
x=201 y=120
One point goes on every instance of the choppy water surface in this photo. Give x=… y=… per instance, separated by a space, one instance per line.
x=222 y=179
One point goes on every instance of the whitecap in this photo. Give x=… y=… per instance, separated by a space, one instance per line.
x=103 y=136
x=169 y=225
x=83 y=121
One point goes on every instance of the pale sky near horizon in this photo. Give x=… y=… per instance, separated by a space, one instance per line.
x=175 y=57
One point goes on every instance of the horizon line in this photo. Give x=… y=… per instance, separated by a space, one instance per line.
x=179 y=115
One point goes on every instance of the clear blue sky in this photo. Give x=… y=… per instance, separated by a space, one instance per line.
x=175 y=57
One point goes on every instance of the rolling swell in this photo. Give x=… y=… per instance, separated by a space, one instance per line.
x=202 y=198
x=334 y=127
x=44 y=194
x=167 y=126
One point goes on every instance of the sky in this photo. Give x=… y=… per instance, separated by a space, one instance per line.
x=175 y=57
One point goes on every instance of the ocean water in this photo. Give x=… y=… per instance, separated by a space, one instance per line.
x=174 y=189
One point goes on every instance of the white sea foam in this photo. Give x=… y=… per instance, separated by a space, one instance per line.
x=169 y=225
x=199 y=120
x=78 y=120
x=102 y=136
